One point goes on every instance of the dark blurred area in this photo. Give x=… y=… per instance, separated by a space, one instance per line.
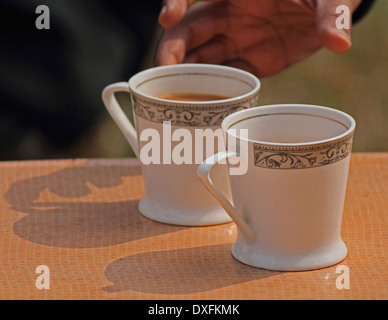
x=51 y=80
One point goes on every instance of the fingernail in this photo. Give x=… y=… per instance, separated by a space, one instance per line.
x=161 y=15
x=164 y=9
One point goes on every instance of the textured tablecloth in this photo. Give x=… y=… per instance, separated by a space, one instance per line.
x=79 y=218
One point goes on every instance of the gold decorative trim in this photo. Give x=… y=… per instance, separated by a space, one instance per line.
x=301 y=157
x=189 y=114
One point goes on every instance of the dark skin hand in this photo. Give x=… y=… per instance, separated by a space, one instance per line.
x=261 y=36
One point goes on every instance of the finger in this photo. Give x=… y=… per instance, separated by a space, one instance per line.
x=264 y=59
x=210 y=44
x=243 y=65
x=215 y=51
x=202 y=23
x=173 y=11
x=170 y=51
x=334 y=25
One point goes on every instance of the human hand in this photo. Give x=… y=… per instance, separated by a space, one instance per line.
x=260 y=36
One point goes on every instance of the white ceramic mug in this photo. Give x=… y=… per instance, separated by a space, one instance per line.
x=173 y=193
x=288 y=206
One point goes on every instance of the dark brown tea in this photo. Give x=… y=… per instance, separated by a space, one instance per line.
x=192 y=96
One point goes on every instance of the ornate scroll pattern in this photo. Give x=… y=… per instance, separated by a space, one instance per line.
x=300 y=157
x=187 y=114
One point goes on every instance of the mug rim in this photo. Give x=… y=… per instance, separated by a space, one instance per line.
x=226 y=125
x=133 y=84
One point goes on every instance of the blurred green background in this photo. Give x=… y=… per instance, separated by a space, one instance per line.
x=355 y=82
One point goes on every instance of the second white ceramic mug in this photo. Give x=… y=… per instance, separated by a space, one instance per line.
x=288 y=206
x=173 y=193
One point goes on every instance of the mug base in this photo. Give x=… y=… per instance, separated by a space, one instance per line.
x=183 y=217
x=310 y=261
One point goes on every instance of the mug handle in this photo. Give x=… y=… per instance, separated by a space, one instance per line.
x=118 y=115
x=203 y=172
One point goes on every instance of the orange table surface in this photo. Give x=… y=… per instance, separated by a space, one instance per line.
x=80 y=219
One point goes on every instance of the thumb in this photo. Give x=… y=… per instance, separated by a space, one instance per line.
x=334 y=22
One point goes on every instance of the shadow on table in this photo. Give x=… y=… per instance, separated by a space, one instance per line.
x=77 y=223
x=181 y=271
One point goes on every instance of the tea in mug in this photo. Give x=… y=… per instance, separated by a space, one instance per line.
x=192 y=96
